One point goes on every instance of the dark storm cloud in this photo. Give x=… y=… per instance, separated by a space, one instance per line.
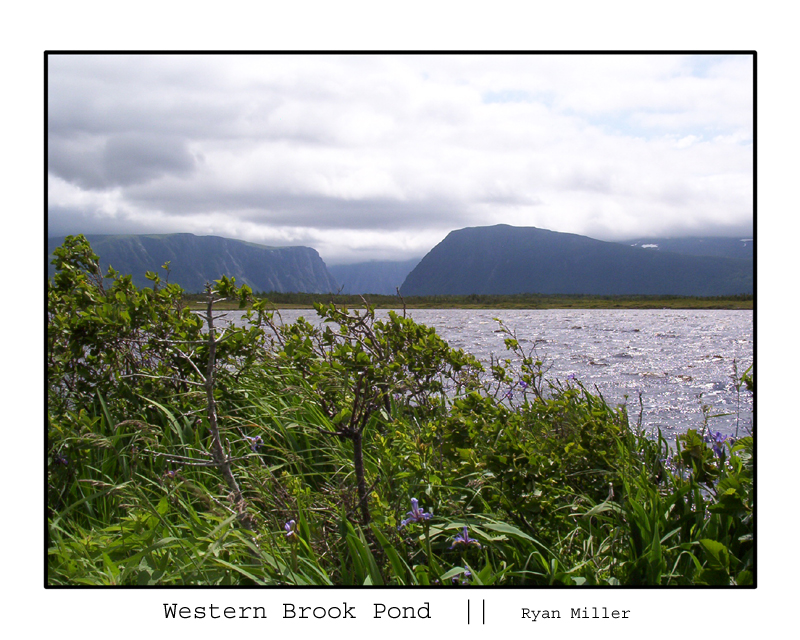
x=378 y=214
x=135 y=158
x=106 y=95
x=64 y=221
x=77 y=159
x=282 y=209
x=119 y=160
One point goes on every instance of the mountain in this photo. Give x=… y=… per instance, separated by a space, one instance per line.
x=508 y=260
x=379 y=277
x=738 y=248
x=196 y=260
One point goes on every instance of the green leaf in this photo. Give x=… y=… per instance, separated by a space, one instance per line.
x=717 y=554
x=508 y=529
x=399 y=566
x=745 y=578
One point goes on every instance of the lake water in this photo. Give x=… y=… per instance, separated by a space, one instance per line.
x=679 y=360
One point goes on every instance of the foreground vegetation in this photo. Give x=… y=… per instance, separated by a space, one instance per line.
x=477 y=301
x=368 y=452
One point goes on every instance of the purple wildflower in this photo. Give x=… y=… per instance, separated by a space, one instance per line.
x=462 y=578
x=416 y=514
x=255 y=443
x=291 y=530
x=523 y=384
x=717 y=441
x=463 y=540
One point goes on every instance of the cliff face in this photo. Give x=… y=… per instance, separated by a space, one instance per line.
x=508 y=260
x=196 y=260
x=380 y=277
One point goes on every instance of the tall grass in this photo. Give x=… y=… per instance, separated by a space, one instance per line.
x=329 y=434
x=129 y=506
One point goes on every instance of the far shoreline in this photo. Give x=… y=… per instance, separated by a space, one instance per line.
x=530 y=302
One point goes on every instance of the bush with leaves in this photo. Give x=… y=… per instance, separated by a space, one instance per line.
x=105 y=336
x=183 y=450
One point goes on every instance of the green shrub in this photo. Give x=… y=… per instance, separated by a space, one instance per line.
x=183 y=453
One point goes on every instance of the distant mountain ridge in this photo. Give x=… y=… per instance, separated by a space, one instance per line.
x=196 y=260
x=377 y=277
x=503 y=259
x=738 y=248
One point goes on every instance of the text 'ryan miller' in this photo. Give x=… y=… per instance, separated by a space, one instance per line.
x=578 y=612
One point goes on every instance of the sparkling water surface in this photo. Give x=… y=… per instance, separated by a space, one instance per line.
x=679 y=360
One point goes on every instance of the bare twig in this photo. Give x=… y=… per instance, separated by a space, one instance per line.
x=218 y=453
x=401 y=300
x=146 y=375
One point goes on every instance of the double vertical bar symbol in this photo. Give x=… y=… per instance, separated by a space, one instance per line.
x=483 y=612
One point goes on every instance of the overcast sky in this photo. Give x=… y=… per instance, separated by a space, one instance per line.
x=368 y=157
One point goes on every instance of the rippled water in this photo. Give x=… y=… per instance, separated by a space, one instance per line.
x=679 y=360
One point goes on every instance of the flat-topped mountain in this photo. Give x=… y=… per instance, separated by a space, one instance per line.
x=196 y=260
x=507 y=260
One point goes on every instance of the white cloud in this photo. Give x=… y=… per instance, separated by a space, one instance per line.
x=687 y=141
x=385 y=154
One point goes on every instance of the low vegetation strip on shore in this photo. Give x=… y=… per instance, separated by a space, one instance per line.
x=521 y=301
